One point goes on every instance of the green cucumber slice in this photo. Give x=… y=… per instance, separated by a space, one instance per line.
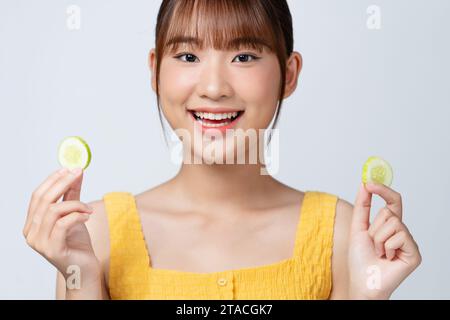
x=377 y=170
x=74 y=152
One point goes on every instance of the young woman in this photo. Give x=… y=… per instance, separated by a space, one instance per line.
x=221 y=230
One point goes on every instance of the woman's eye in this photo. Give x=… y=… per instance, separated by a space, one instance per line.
x=241 y=57
x=188 y=56
x=246 y=55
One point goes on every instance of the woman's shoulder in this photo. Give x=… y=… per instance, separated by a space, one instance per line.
x=98 y=223
x=343 y=212
x=98 y=229
x=342 y=223
x=344 y=208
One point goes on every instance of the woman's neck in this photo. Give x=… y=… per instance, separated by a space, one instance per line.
x=213 y=184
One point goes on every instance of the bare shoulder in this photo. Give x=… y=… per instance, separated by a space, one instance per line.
x=98 y=228
x=344 y=213
x=343 y=218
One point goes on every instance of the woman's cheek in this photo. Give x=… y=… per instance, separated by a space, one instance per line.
x=259 y=91
x=178 y=81
x=175 y=90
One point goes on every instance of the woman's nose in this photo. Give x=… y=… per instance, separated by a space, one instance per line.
x=214 y=82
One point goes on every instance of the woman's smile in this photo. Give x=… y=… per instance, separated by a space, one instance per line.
x=216 y=118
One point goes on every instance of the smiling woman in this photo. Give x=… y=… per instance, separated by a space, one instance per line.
x=264 y=26
x=221 y=230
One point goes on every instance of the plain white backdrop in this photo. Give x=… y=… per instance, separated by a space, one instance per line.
x=362 y=92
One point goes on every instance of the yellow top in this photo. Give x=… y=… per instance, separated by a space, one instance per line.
x=305 y=275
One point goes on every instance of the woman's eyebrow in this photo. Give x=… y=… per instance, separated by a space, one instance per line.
x=237 y=42
x=184 y=39
x=234 y=43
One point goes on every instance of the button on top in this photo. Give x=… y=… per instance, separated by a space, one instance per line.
x=222 y=282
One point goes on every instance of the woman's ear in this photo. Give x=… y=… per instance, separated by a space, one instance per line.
x=152 y=67
x=293 y=68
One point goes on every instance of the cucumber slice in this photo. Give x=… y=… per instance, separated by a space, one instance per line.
x=377 y=170
x=74 y=152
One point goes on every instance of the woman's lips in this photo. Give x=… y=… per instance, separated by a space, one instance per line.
x=221 y=125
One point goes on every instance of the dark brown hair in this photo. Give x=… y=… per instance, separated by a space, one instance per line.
x=226 y=25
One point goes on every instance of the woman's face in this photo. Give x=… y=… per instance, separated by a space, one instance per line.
x=217 y=83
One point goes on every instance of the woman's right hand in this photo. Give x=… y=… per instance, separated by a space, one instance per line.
x=56 y=230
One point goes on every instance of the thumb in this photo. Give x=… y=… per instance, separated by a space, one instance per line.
x=73 y=193
x=361 y=210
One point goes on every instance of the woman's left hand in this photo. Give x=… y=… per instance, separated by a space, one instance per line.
x=383 y=253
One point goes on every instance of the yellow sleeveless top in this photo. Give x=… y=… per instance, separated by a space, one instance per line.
x=305 y=275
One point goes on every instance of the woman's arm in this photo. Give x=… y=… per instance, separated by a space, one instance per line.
x=58 y=231
x=96 y=289
x=93 y=291
x=343 y=219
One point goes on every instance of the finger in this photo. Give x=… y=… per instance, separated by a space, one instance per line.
x=38 y=193
x=75 y=189
x=51 y=196
x=40 y=190
x=404 y=242
x=59 y=210
x=63 y=226
x=383 y=215
x=391 y=227
x=393 y=199
x=54 y=193
x=361 y=210
x=63 y=185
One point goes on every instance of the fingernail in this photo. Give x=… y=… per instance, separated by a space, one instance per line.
x=75 y=171
x=90 y=208
x=62 y=171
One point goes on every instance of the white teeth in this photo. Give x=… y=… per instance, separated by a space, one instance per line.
x=216 y=116
x=214 y=125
